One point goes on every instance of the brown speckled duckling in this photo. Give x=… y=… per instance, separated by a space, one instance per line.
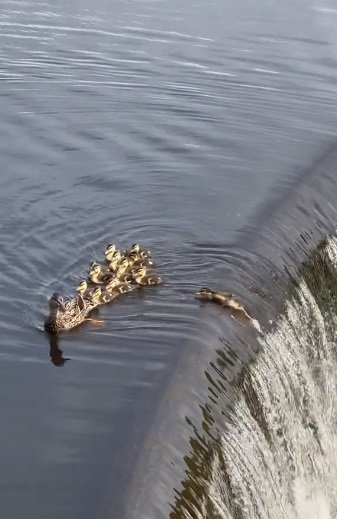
x=225 y=299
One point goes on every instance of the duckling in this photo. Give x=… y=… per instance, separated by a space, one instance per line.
x=135 y=260
x=113 y=284
x=127 y=278
x=124 y=288
x=107 y=297
x=94 y=298
x=88 y=295
x=141 y=277
x=95 y=295
x=123 y=273
x=123 y=266
x=224 y=299
x=110 y=251
x=136 y=249
x=115 y=260
x=94 y=274
x=98 y=275
x=82 y=287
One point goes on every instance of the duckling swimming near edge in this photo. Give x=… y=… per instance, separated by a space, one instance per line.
x=225 y=299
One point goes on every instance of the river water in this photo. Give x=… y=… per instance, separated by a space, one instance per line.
x=187 y=127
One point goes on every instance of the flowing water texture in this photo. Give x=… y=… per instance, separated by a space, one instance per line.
x=272 y=452
x=182 y=126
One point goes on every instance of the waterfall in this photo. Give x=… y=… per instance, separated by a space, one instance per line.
x=271 y=452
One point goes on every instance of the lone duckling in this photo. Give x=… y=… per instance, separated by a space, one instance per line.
x=141 y=277
x=225 y=299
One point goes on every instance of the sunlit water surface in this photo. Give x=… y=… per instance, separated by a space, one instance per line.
x=161 y=122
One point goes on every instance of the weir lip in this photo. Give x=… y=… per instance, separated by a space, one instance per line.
x=282 y=238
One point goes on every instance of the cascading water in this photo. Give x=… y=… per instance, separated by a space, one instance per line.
x=269 y=451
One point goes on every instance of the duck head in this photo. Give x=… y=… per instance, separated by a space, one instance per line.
x=110 y=251
x=205 y=293
x=82 y=287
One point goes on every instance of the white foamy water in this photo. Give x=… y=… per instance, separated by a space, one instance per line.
x=280 y=447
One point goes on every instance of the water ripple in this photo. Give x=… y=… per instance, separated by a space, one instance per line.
x=165 y=124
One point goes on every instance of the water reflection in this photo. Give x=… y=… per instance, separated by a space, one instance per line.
x=168 y=124
x=55 y=352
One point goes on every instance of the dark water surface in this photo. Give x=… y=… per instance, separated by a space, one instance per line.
x=169 y=123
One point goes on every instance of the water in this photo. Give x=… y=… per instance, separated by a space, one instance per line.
x=180 y=126
x=275 y=455
x=255 y=419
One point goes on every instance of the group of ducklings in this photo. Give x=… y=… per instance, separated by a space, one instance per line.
x=122 y=268
x=123 y=271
